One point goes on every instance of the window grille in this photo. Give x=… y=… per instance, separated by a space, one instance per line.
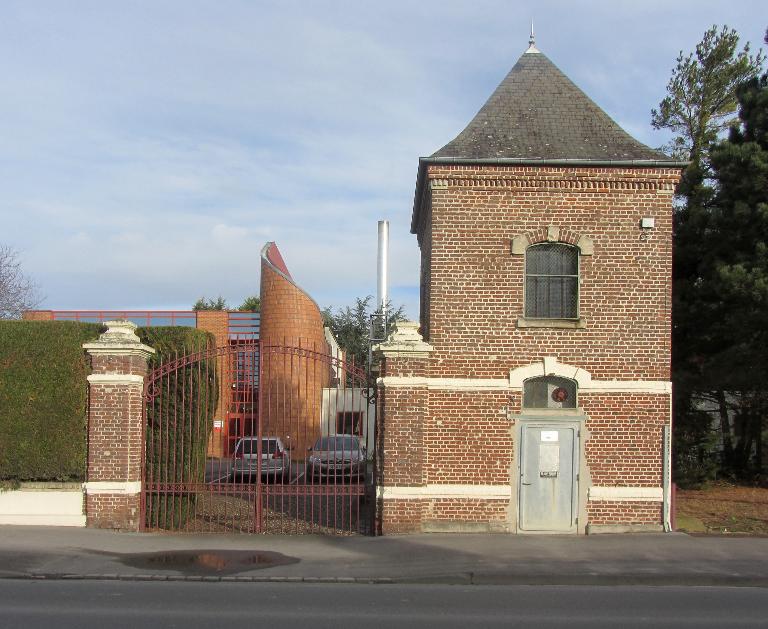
x=551 y=281
x=549 y=392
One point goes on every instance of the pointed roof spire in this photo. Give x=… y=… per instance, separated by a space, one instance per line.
x=532 y=42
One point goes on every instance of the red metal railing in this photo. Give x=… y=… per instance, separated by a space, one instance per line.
x=259 y=469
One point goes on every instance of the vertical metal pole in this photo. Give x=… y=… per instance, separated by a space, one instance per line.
x=260 y=415
x=382 y=267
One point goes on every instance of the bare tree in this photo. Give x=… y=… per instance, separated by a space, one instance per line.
x=17 y=291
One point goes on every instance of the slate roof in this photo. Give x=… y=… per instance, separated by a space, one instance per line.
x=537 y=113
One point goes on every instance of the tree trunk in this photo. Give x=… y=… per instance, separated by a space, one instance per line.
x=725 y=429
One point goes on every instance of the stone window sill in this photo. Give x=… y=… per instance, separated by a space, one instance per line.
x=572 y=324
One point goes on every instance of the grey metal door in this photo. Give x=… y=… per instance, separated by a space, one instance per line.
x=548 y=477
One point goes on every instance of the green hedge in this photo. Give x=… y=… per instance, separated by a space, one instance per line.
x=179 y=421
x=43 y=397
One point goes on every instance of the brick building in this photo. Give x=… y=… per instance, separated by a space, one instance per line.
x=537 y=395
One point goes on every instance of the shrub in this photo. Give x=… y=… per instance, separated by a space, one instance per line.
x=179 y=421
x=43 y=400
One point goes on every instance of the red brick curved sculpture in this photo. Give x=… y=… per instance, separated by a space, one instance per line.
x=294 y=360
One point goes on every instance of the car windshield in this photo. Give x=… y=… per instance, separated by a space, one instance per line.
x=335 y=444
x=251 y=446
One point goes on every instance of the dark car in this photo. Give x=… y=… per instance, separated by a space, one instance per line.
x=337 y=456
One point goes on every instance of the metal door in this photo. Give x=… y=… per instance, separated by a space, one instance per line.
x=548 y=477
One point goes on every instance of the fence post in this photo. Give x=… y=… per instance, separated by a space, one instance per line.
x=115 y=431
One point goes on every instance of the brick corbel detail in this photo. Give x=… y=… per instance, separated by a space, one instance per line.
x=400 y=419
x=115 y=431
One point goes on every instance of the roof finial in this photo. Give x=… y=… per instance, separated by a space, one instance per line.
x=532 y=41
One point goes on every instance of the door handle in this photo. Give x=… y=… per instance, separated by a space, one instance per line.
x=527 y=483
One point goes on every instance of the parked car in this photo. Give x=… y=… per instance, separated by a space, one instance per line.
x=337 y=456
x=275 y=459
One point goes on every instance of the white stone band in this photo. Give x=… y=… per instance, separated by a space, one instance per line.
x=485 y=492
x=658 y=387
x=116 y=378
x=497 y=384
x=129 y=488
x=446 y=384
x=133 y=350
x=626 y=494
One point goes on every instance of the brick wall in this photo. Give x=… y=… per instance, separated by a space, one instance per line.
x=37 y=315
x=475 y=292
x=471 y=305
x=602 y=513
x=216 y=322
x=469 y=438
x=625 y=434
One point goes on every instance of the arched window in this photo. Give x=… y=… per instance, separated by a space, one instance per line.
x=549 y=392
x=552 y=281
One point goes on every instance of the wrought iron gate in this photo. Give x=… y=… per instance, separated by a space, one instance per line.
x=259 y=438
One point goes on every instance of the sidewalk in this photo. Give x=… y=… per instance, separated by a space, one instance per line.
x=653 y=559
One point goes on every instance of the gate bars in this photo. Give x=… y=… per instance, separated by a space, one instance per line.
x=258 y=438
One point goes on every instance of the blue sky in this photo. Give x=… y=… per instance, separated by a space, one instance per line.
x=149 y=149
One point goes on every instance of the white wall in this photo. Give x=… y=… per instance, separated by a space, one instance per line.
x=45 y=504
x=348 y=400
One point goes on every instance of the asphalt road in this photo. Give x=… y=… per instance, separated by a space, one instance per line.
x=116 y=604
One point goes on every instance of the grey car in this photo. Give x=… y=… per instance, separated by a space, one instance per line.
x=337 y=456
x=275 y=459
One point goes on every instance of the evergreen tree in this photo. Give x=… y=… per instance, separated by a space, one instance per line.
x=250 y=304
x=210 y=304
x=735 y=276
x=701 y=102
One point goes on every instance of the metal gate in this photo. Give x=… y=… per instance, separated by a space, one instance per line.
x=259 y=438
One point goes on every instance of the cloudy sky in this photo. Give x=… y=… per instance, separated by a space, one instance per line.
x=149 y=149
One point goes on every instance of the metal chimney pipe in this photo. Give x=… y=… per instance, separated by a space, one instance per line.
x=382 y=268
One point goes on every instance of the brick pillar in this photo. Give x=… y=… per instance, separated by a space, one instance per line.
x=402 y=408
x=115 y=431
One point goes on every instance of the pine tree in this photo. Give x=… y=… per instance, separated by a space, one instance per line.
x=701 y=103
x=735 y=277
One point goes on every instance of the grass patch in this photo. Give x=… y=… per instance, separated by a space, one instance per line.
x=723 y=509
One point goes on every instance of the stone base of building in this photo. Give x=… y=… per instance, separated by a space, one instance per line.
x=474 y=515
x=462 y=526
x=596 y=529
x=113 y=511
x=444 y=515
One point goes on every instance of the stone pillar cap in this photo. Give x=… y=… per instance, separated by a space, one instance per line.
x=119 y=338
x=404 y=341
